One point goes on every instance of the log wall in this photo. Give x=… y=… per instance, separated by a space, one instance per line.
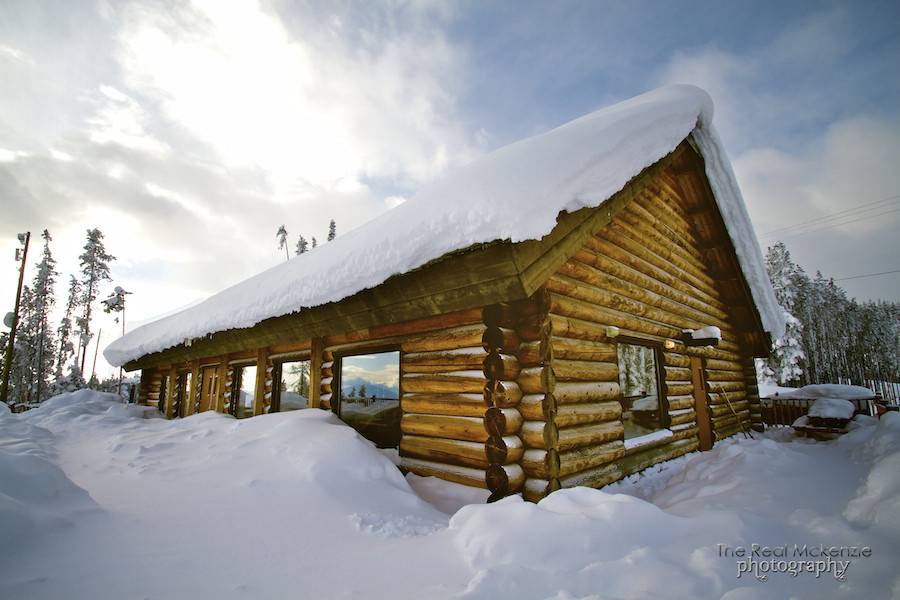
x=644 y=274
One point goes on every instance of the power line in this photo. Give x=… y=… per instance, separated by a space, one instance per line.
x=868 y=275
x=827 y=226
x=836 y=216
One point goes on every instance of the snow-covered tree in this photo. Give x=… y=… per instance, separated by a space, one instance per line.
x=313 y=242
x=94 y=271
x=64 y=331
x=788 y=279
x=332 y=230
x=281 y=235
x=302 y=245
x=43 y=300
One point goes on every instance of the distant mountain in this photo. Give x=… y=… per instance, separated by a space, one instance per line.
x=379 y=390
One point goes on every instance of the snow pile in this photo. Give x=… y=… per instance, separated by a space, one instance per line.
x=298 y=505
x=710 y=332
x=828 y=390
x=831 y=408
x=877 y=501
x=514 y=193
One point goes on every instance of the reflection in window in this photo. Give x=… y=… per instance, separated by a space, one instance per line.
x=243 y=388
x=293 y=391
x=370 y=396
x=639 y=388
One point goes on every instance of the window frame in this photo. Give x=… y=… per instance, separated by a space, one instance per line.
x=237 y=379
x=362 y=350
x=661 y=392
x=277 y=365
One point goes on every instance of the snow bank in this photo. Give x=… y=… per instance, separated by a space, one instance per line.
x=828 y=390
x=877 y=500
x=514 y=193
x=832 y=408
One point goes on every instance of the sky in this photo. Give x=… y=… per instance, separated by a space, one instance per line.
x=189 y=131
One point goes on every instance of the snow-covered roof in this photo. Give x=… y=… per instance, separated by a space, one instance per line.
x=515 y=193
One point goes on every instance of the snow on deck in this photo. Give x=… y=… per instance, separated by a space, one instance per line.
x=297 y=505
x=515 y=193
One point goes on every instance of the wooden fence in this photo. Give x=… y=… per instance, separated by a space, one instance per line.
x=778 y=411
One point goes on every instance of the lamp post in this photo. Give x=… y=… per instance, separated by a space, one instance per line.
x=24 y=238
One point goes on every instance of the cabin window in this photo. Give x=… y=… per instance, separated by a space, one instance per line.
x=643 y=406
x=293 y=390
x=369 y=396
x=243 y=387
x=183 y=386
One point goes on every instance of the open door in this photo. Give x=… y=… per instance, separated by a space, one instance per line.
x=701 y=403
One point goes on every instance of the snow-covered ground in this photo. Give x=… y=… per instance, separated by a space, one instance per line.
x=99 y=501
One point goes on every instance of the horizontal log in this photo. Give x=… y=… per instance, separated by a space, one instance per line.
x=641 y=460
x=582 y=370
x=500 y=338
x=723 y=409
x=539 y=434
x=595 y=478
x=678 y=389
x=504 y=479
x=726 y=365
x=575 y=349
x=684 y=434
x=682 y=416
x=590 y=457
x=460 y=382
x=447 y=451
x=460 y=405
x=502 y=421
x=464 y=359
x=426 y=468
x=677 y=374
x=539 y=463
x=535 y=407
x=442 y=426
x=716 y=375
x=504 y=450
x=573 y=393
x=536 y=489
x=585 y=311
x=676 y=360
x=466 y=336
x=505 y=394
x=530 y=354
x=680 y=402
x=568 y=415
x=580 y=436
x=531 y=380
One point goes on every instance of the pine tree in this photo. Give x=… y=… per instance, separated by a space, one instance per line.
x=313 y=242
x=281 y=235
x=362 y=390
x=332 y=230
x=43 y=301
x=302 y=245
x=64 y=331
x=94 y=271
x=783 y=365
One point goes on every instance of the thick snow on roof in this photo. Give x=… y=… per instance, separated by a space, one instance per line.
x=514 y=193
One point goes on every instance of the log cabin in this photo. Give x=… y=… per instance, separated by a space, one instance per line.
x=522 y=325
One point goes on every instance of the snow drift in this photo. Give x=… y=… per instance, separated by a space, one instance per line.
x=299 y=505
x=515 y=193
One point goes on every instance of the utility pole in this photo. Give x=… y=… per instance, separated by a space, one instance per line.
x=7 y=361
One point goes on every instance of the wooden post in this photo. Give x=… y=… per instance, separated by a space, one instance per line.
x=259 y=390
x=171 y=390
x=317 y=345
x=219 y=405
x=194 y=388
x=701 y=407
